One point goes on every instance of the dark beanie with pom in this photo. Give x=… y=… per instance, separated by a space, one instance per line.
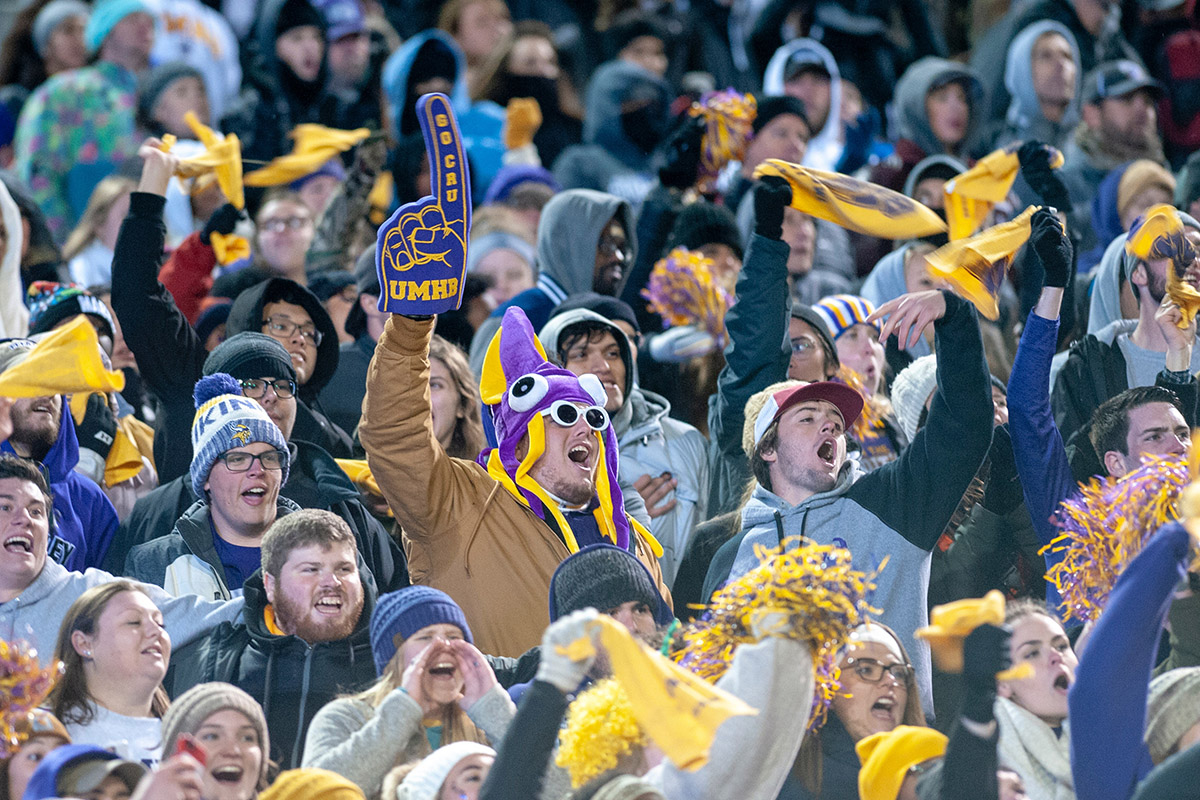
x=225 y=420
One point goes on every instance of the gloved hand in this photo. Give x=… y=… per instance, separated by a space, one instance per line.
x=1003 y=492
x=682 y=153
x=682 y=343
x=522 y=118
x=99 y=426
x=222 y=221
x=985 y=653
x=1034 y=157
x=772 y=195
x=556 y=668
x=1052 y=247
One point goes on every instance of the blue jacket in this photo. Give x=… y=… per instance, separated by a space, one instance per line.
x=84 y=518
x=1107 y=704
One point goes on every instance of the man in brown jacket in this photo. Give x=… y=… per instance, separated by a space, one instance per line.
x=492 y=537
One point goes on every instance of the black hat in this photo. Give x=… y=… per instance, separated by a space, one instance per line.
x=611 y=308
x=156 y=81
x=326 y=284
x=603 y=576
x=703 y=223
x=298 y=14
x=1117 y=79
x=250 y=355
x=771 y=107
x=210 y=318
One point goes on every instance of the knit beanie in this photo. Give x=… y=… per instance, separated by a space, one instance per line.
x=210 y=318
x=225 y=420
x=53 y=15
x=1140 y=176
x=841 y=312
x=250 y=355
x=157 y=80
x=817 y=322
x=405 y=612
x=188 y=711
x=105 y=16
x=425 y=781
x=771 y=107
x=499 y=240
x=703 y=223
x=611 y=308
x=887 y=757
x=1172 y=708
x=332 y=167
x=14 y=351
x=603 y=577
x=910 y=390
x=51 y=303
x=297 y=14
x=513 y=175
x=310 y=783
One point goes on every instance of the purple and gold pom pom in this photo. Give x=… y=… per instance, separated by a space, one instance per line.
x=684 y=291
x=24 y=683
x=815 y=587
x=729 y=117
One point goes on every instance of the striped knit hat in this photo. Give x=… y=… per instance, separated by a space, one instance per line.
x=840 y=312
x=225 y=420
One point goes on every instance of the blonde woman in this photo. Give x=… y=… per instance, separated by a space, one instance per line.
x=89 y=249
x=434 y=688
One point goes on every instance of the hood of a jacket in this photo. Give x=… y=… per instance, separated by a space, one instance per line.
x=916 y=83
x=825 y=146
x=612 y=85
x=918 y=172
x=246 y=314
x=763 y=504
x=569 y=231
x=267 y=73
x=256 y=602
x=1024 y=112
x=63 y=454
x=399 y=65
x=552 y=332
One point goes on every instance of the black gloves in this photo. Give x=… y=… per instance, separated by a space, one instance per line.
x=1035 y=166
x=1052 y=247
x=682 y=154
x=223 y=221
x=1003 y=492
x=985 y=652
x=99 y=426
x=772 y=195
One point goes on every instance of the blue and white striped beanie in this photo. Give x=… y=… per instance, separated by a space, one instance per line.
x=225 y=420
x=840 y=312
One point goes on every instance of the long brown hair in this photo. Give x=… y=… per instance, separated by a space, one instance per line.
x=71 y=701
x=808 y=767
x=468 y=438
x=495 y=70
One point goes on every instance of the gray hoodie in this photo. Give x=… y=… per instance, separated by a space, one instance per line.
x=825 y=147
x=1024 y=119
x=916 y=83
x=568 y=233
x=651 y=443
x=36 y=614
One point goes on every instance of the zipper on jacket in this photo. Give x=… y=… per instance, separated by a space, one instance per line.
x=300 y=732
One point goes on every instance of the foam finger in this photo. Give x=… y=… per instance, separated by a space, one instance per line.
x=447 y=159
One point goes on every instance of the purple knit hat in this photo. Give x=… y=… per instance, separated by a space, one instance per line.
x=518 y=383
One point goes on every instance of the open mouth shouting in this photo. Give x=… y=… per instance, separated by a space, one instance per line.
x=582 y=454
x=227 y=773
x=330 y=605
x=1062 y=683
x=20 y=543
x=255 y=495
x=884 y=709
x=827 y=452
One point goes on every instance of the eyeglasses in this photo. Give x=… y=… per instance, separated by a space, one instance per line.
x=279 y=224
x=566 y=414
x=255 y=388
x=240 y=462
x=610 y=246
x=918 y=770
x=282 y=327
x=871 y=671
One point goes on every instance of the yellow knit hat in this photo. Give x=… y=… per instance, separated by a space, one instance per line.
x=887 y=757
x=311 y=784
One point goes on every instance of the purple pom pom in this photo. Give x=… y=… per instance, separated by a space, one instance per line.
x=215 y=385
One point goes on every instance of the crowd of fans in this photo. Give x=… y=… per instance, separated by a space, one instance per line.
x=308 y=549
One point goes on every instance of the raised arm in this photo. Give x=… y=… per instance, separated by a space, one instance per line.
x=917 y=493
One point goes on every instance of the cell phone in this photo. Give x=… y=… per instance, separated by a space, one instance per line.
x=186 y=743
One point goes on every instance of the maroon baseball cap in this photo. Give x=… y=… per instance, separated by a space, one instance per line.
x=846 y=400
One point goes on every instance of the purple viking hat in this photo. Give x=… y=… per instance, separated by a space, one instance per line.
x=518 y=384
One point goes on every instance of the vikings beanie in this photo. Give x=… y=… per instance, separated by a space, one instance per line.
x=407 y=611
x=841 y=312
x=225 y=420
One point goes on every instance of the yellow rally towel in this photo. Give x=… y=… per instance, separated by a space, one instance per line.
x=229 y=247
x=975 y=267
x=125 y=457
x=222 y=158
x=314 y=145
x=971 y=196
x=679 y=711
x=65 y=362
x=1159 y=234
x=854 y=204
x=953 y=621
